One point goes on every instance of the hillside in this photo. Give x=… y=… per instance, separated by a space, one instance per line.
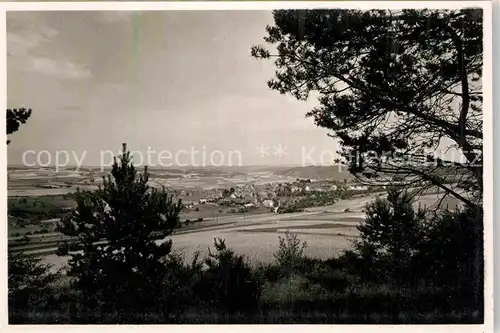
x=334 y=172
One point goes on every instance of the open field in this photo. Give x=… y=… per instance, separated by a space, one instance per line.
x=328 y=230
x=46 y=181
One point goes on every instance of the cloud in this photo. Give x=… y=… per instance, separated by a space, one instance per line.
x=24 y=40
x=21 y=43
x=61 y=68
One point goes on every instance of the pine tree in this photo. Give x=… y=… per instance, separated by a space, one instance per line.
x=391 y=85
x=29 y=280
x=120 y=262
x=391 y=233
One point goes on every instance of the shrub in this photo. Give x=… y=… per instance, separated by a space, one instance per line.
x=290 y=253
x=28 y=280
x=180 y=283
x=411 y=250
x=269 y=272
x=329 y=274
x=243 y=210
x=452 y=251
x=290 y=208
x=228 y=283
x=389 y=238
x=291 y=289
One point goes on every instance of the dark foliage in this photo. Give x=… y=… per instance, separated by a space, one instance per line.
x=390 y=235
x=28 y=280
x=118 y=226
x=408 y=250
x=229 y=284
x=16 y=117
x=181 y=285
x=290 y=254
x=421 y=69
x=452 y=250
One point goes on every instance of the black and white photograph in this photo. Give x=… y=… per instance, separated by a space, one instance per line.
x=267 y=165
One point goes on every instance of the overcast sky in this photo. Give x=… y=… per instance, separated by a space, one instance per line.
x=166 y=80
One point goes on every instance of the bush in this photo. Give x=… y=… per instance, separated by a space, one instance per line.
x=242 y=210
x=396 y=243
x=452 y=251
x=291 y=289
x=290 y=208
x=389 y=237
x=28 y=280
x=290 y=253
x=329 y=274
x=180 y=283
x=268 y=273
x=228 y=283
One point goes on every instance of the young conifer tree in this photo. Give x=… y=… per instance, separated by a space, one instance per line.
x=121 y=263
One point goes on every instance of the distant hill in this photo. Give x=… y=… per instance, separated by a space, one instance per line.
x=334 y=172
x=242 y=169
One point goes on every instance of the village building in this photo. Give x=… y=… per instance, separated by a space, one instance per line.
x=358 y=188
x=268 y=203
